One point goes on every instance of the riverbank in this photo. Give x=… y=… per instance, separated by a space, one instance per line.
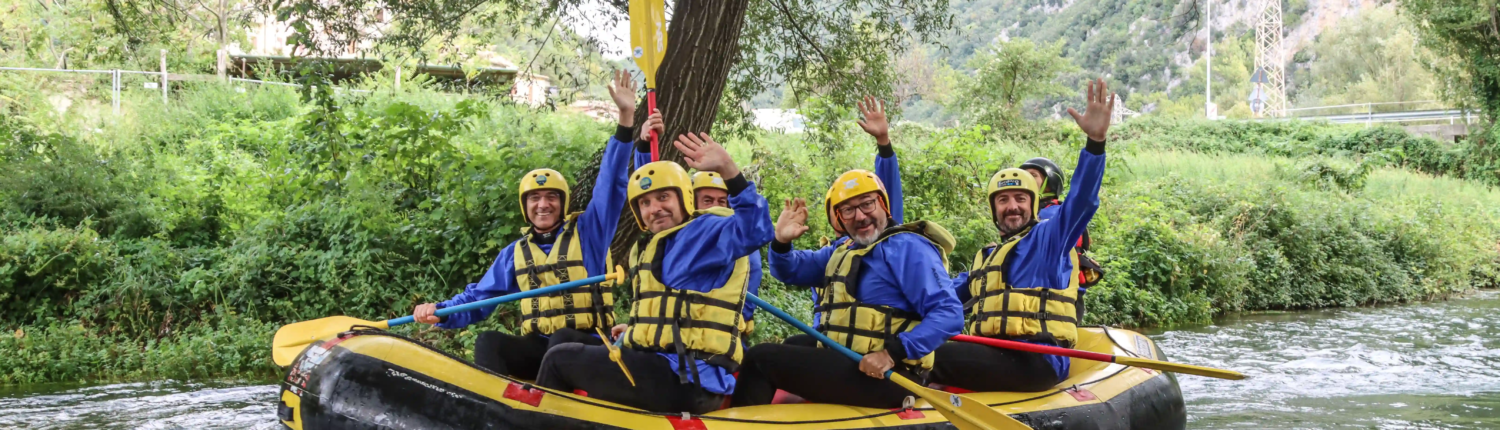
x=171 y=242
x=1425 y=365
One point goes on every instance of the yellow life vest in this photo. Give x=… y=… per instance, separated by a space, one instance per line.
x=693 y=324
x=580 y=308
x=864 y=328
x=1035 y=313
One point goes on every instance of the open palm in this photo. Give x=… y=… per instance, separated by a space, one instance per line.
x=873 y=120
x=1101 y=104
x=792 y=223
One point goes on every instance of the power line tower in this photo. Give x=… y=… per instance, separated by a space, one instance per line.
x=1270 y=64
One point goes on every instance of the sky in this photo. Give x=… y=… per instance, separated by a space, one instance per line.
x=593 y=20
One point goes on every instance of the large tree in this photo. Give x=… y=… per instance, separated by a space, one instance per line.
x=1466 y=36
x=719 y=52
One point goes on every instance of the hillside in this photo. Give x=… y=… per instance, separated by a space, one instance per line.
x=1142 y=43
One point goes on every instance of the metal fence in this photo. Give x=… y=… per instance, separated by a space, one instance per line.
x=156 y=80
x=1429 y=111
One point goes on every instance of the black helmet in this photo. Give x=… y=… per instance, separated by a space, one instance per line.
x=1052 y=185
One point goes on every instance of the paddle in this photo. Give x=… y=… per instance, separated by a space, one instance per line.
x=614 y=354
x=648 y=39
x=963 y=412
x=1086 y=355
x=291 y=339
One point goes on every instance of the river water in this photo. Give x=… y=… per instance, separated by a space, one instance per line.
x=1425 y=366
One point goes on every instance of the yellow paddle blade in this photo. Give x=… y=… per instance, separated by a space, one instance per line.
x=614 y=355
x=963 y=412
x=648 y=36
x=1179 y=368
x=291 y=339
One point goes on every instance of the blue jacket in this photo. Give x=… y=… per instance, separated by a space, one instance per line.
x=889 y=171
x=904 y=272
x=701 y=256
x=1041 y=259
x=642 y=157
x=596 y=228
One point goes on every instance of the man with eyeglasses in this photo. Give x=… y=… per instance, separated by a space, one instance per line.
x=883 y=292
x=887 y=171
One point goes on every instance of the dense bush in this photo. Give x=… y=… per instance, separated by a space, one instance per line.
x=172 y=241
x=1388 y=145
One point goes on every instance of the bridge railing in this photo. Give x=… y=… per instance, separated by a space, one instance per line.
x=1406 y=112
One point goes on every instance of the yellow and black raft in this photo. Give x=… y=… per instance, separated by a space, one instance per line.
x=372 y=379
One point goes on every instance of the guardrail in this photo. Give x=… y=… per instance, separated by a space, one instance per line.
x=1384 y=112
x=117 y=85
x=1453 y=116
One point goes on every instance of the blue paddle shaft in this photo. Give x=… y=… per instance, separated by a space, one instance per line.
x=503 y=299
x=805 y=329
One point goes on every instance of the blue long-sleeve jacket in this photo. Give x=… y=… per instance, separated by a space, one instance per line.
x=889 y=172
x=701 y=257
x=888 y=169
x=1041 y=258
x=904 y=272
x=596 y=228
x=642 y=157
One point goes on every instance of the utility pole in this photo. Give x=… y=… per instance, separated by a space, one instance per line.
x=1208 y=65
x=1269 y=58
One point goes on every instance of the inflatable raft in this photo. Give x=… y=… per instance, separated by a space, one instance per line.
x=371 y=379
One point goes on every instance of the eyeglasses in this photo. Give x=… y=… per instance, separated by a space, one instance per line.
x=868 y=207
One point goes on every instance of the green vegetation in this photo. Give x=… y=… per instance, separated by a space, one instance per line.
x=1465 y=34
x=1006 y=76
x=170 y=242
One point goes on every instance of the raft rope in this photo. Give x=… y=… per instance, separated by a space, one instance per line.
x=360 y=330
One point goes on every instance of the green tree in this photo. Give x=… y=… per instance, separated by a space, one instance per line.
x=1370 y=57
x=836 y=49
x=1005 y=77
x=1465 y=33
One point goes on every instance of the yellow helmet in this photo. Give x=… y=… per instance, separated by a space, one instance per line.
x=655 y=176
x=543 y=179
x=1011 y=179
x=849 y=185
x=708 y=180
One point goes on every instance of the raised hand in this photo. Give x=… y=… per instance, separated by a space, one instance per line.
x=792 y=223
x=702 y=153
x=622 y=89
x=1095 y=120
x=872 y=114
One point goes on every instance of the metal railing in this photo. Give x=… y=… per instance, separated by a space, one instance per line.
x=117 y=84
x=1373 y=113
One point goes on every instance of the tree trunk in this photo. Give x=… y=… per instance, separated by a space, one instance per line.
x=702 y=46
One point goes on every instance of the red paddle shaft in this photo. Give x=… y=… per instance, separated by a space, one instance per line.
x=650 y=109
x=1031 y=347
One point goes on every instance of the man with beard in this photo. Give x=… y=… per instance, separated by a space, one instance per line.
x=1052 y=180
x=887 y=171
x=689 y=278
x=557 y=247
x=883 y=292
x=1025 y=288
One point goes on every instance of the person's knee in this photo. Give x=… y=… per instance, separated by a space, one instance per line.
x=488 y=339
x=767 y=354
x=561 y=357
x=801 y=340
x=760 y=352
x=564 y=352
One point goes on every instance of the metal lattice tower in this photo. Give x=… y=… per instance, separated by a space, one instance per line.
x=1269 y=58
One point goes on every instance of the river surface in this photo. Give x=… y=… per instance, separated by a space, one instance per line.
x=1424 y=366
